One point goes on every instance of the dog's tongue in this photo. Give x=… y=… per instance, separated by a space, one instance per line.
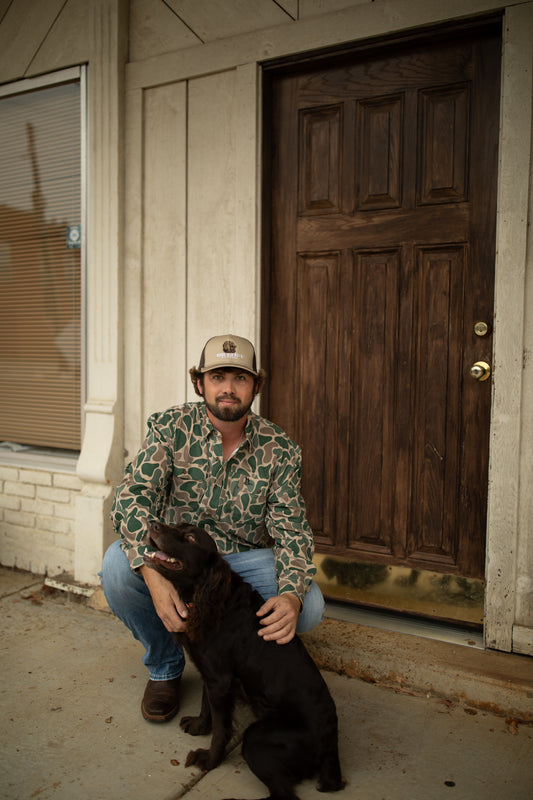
x=162 y=556
x=158 y=553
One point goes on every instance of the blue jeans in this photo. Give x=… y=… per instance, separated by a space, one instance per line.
x=128 y=597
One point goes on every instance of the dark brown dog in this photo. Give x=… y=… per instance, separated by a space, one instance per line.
x=295 y=735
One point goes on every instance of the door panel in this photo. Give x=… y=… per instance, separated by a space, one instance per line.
x=382 y=218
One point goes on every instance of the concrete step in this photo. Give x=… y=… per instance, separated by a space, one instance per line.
x=501 y=683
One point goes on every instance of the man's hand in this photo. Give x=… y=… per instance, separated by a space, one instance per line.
x=167 y=602
x=280 y=617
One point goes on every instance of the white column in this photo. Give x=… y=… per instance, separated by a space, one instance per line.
x=100 y=462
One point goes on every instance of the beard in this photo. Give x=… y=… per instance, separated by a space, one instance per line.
x=228 y=413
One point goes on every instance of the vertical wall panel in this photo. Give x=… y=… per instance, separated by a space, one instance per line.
x=221 y=252
x=164 y=253
x=212 y=283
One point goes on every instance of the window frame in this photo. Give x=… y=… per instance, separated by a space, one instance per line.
x=47 y=457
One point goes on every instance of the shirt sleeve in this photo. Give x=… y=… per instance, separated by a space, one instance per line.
x=141 y=497
x=287 y=525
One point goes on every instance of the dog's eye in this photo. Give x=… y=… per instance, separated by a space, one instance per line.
x=190 y=538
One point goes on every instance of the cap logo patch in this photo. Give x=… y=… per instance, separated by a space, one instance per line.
x=230 y=350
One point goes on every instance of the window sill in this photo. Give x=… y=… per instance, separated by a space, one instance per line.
x=39 y=458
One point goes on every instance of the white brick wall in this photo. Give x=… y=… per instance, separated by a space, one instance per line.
x=37 y=517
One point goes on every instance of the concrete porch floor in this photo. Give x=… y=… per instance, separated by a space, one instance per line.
x=419 y=719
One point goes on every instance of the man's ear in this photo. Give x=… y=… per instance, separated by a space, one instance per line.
x=199 y=386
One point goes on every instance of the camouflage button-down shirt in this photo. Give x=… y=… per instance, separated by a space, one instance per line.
x=251 y=500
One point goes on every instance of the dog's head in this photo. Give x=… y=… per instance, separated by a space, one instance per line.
x=187 y=556
x=180 y=553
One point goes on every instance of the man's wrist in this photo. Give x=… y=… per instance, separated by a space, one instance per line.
x=295 y=600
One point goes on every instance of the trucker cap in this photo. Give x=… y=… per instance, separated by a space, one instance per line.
x=228 y=351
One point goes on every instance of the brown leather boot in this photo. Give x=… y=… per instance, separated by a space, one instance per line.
x=161 y=700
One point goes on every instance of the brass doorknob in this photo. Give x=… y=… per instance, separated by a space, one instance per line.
x=480 y=370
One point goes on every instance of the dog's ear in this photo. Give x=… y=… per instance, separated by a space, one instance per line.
x=214 y=585
x=210 y=595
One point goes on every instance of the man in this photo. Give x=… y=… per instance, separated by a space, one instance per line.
x=218 y=465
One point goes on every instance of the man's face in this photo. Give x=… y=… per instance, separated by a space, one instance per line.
x=228 y=393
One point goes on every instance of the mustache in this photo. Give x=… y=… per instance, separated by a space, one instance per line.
x=227 y=396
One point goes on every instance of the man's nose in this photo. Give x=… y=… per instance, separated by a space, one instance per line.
x=228 y=386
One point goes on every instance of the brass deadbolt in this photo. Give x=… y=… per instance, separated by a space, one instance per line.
x=481 y=328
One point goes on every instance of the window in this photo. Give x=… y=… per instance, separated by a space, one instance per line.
x=41 y=261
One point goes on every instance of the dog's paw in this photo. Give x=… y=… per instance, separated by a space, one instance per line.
x=335 y=785
x=195 y=726
x=199 y=758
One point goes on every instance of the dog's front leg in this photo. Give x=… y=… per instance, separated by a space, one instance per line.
x=201 y=725
x=221 y=703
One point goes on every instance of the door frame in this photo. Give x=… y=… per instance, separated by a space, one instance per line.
x=505 y=511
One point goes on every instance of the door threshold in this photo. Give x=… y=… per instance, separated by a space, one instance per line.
x=425 y=628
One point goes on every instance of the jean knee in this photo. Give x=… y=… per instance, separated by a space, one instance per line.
x=115 y=561
x=117 y=575
x=313 y=610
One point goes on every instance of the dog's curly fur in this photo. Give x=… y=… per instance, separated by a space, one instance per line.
x=295 y=735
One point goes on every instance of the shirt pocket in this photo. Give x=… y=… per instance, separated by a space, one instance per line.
x=189 y=486
x=249 y=500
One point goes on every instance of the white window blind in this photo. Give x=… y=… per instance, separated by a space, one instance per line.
x=40 y=267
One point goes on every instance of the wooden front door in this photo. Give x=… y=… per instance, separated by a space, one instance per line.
x=381 y=165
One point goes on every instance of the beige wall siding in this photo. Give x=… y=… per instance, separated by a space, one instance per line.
x=221 y=256
x=192 y=156
x=164 y=265
x=156 y=29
